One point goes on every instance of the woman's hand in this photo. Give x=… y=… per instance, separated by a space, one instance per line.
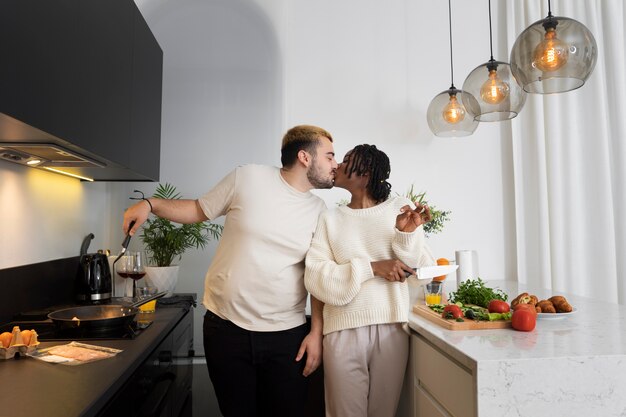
x=408 y=220
x=312 y=346
x=391 y=269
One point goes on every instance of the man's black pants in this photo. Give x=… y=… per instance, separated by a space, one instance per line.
x=255 y=374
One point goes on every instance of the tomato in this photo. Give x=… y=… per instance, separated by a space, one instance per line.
x=523 y=320
x=498 y=306
x=452 y=311
x=528 y=307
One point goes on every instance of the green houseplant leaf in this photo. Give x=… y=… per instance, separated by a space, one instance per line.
x=165 y=242
x=439 y=216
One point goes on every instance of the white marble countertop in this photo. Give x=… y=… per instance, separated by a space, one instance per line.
x=574 y=366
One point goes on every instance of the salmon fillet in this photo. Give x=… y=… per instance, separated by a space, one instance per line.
x=78 y=353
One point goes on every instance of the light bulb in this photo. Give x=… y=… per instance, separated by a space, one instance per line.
x=551 y=53
x=453 y=112
x=494 y=90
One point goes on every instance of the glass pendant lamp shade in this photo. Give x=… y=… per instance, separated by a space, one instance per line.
x=447 y=115
x=554 y=55
x=495 y=94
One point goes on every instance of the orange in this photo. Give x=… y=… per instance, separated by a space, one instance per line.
x=441 y=261
x=5 y=338
x=26 y=335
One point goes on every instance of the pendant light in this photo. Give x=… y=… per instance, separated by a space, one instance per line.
x=447 y=115
x=498 y=95
x=554 y=55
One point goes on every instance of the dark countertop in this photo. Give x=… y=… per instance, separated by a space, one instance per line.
x=30 y=387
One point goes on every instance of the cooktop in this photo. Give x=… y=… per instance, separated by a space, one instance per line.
x=47 y=330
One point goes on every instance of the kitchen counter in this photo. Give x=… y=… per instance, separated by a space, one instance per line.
x=574 y=366
x=35 y=388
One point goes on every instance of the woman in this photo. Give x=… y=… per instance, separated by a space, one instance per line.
x=357 y=265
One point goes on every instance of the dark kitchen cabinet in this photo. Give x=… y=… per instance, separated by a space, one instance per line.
x=85 y=75
x=147 y=76
x=161 y=386
x=104 y=77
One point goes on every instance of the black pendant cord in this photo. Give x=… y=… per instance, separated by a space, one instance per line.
x=549 y=9
x=549 y=22
x=490 y=34
x=450 y=26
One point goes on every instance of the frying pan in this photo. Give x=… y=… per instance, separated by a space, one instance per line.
x=99 y=316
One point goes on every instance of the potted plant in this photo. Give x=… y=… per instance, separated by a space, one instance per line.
x=165 y=242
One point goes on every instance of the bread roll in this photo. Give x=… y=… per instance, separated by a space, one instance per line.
x=546 y=306
x=560 y=304
x=524 y=298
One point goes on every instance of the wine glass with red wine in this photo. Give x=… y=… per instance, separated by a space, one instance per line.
x=120 y=269
x=135 y=267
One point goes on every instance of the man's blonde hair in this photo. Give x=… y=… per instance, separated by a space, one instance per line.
x=302 y=137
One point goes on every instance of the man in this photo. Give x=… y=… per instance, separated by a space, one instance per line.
x=255 y=330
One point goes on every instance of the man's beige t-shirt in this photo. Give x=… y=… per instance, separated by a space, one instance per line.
x=256 y=279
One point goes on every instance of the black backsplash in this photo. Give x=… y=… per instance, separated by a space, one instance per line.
x=35 y=286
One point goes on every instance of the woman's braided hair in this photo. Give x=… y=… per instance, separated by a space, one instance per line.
x=367 y=159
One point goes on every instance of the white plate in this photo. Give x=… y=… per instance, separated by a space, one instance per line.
x=555 y=316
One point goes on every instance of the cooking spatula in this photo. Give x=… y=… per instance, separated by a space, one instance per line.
x=125 y=242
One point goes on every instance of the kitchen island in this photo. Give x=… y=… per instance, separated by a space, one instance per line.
x=35 y=388
x=571 y=366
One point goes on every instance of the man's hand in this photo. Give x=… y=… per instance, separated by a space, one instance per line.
x=408 y=220
x=312 y=346
x=139 y=213
x=391 y=270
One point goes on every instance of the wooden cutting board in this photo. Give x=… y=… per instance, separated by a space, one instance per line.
x=468 y=324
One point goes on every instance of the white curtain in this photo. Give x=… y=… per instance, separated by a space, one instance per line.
x=569 y=158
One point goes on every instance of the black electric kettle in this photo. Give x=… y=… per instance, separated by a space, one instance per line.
x=93 y=278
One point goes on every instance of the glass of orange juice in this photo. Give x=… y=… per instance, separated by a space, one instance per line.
x=143 y=292
x=432 y=293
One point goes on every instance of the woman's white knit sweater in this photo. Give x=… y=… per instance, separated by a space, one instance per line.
x=338 y=270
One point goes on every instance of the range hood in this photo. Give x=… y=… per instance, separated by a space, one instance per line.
x=47 y=156
x=43 y=155
x=29 y=146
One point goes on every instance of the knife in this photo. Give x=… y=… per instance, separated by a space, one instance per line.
x=125 y=242
x=146 y=299
x=433 y=271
